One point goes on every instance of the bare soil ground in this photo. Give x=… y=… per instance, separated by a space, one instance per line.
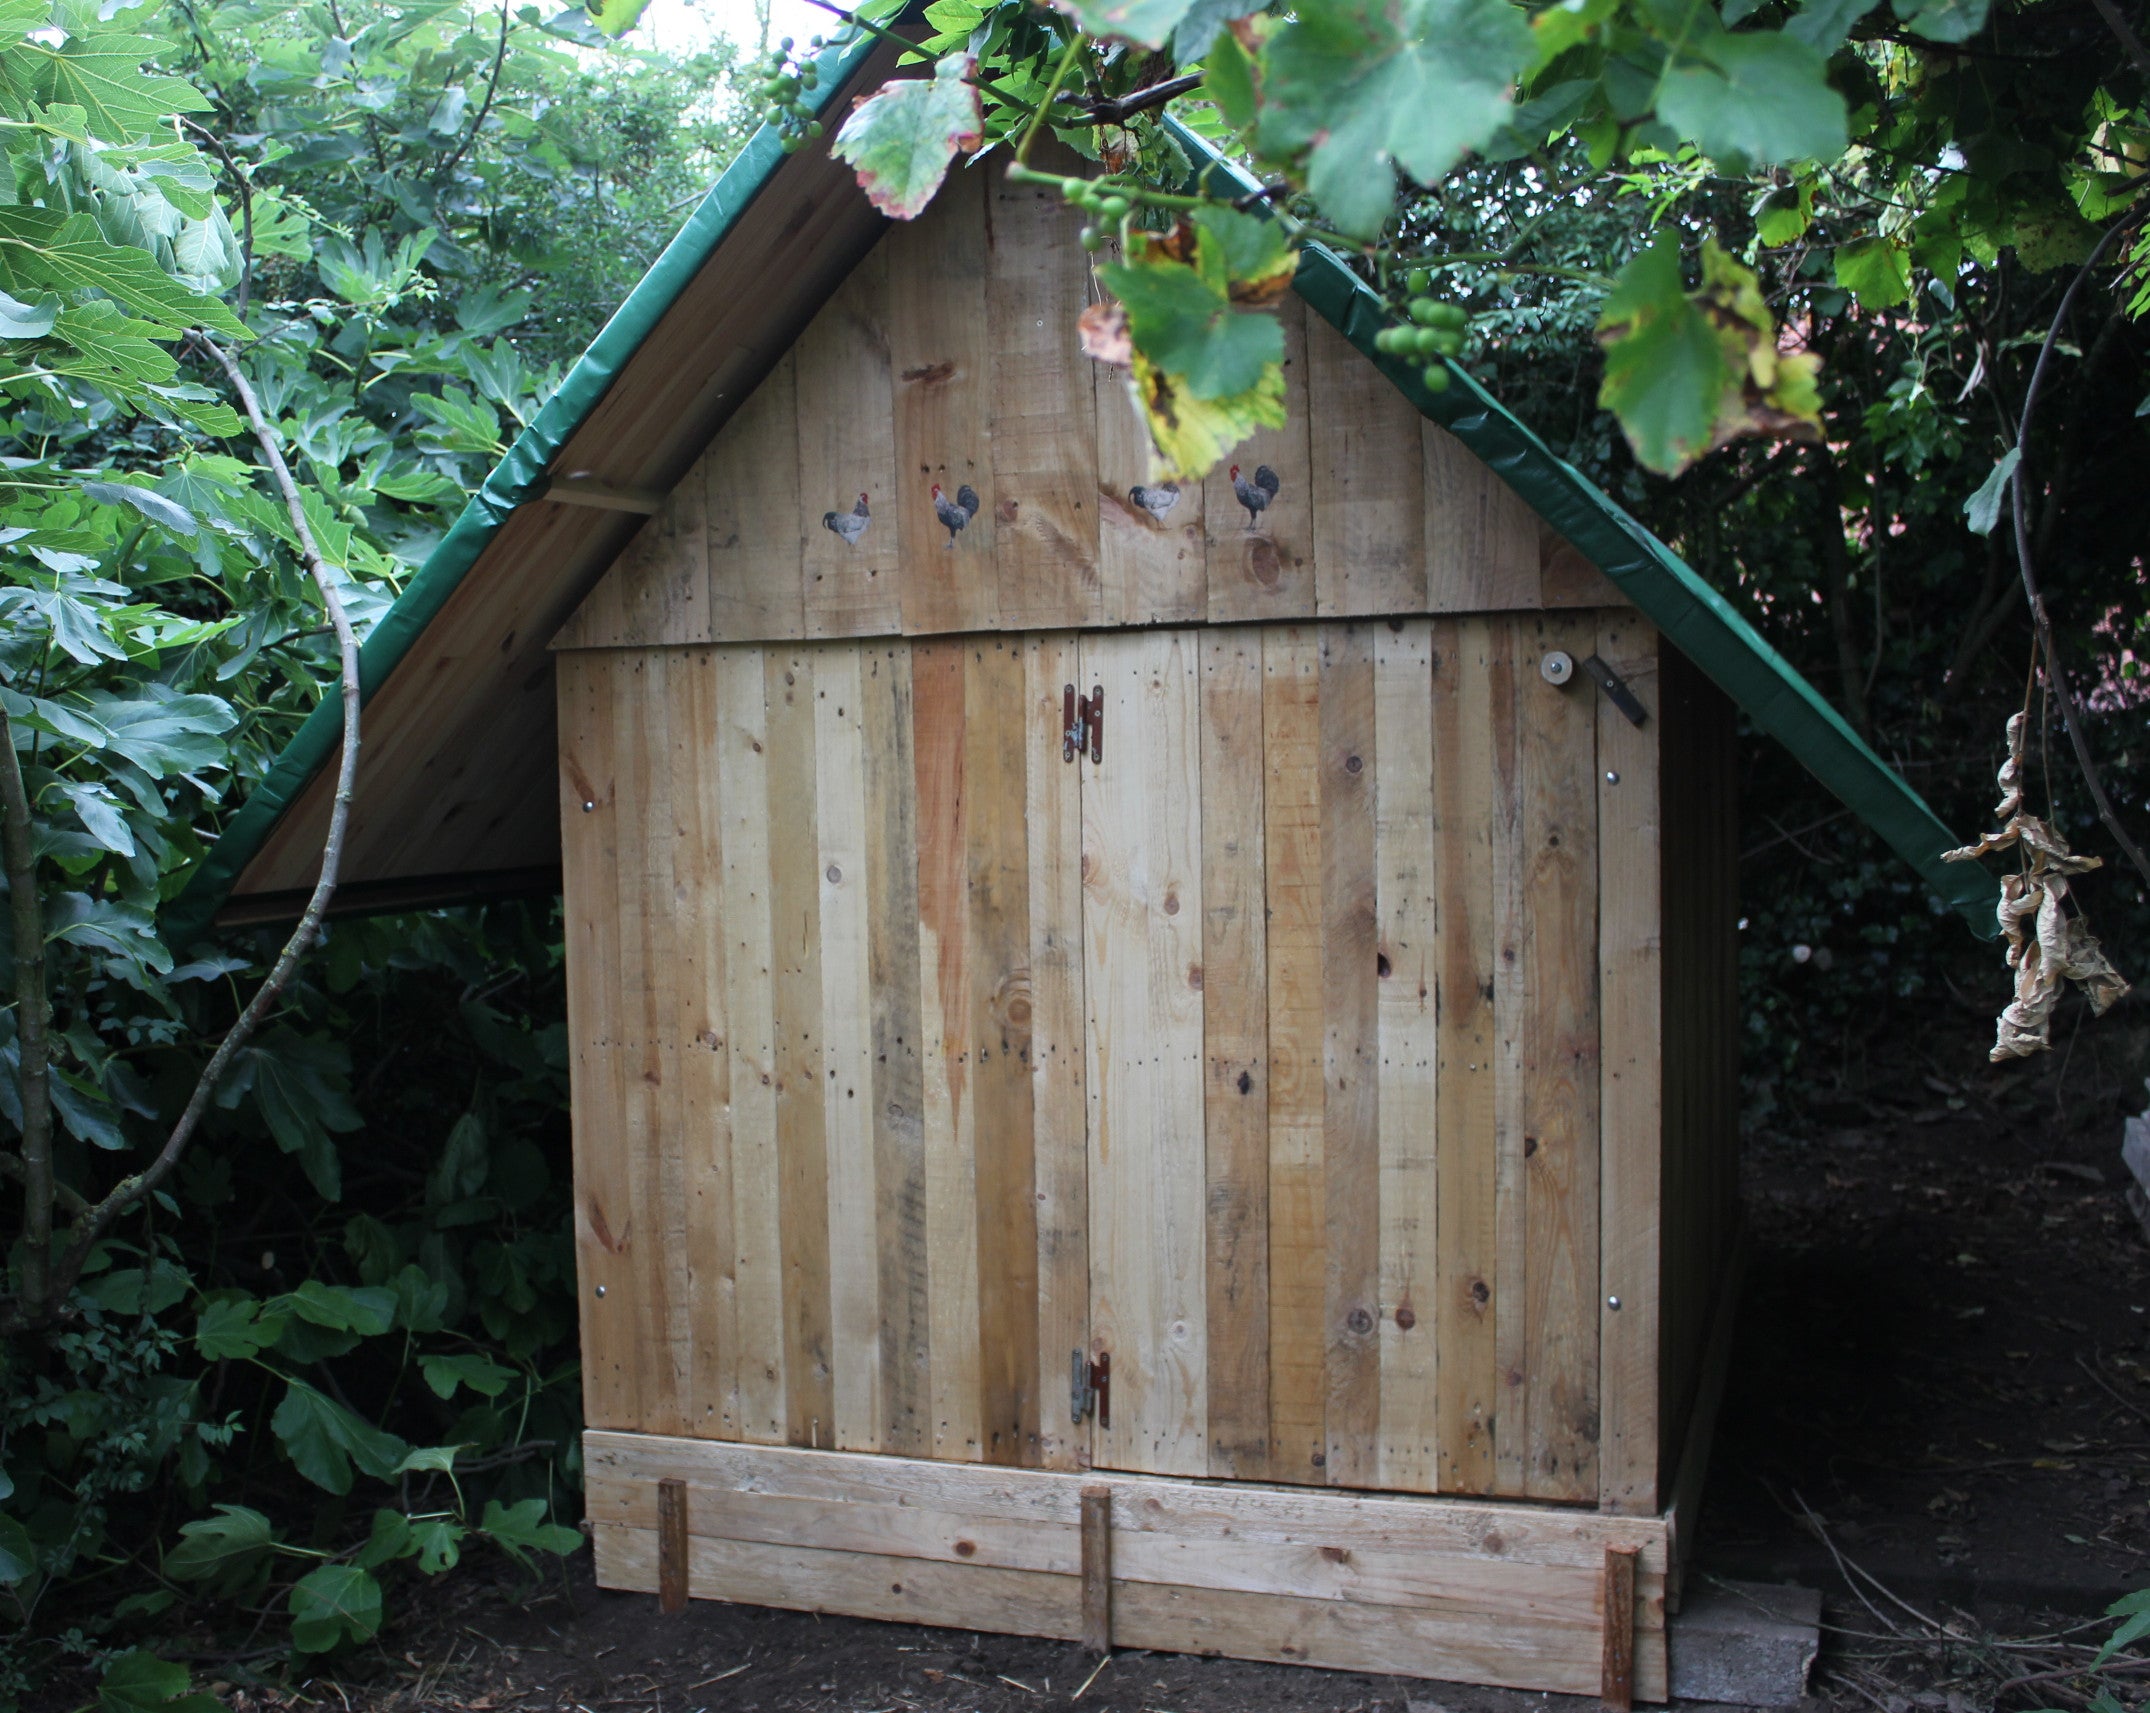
x=1943 y=1355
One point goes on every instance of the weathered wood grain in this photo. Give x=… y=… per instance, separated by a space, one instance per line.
x=1369 y=506
x=756 y=523
x=847 y=450
x=1481 y=539
x=1263 y=567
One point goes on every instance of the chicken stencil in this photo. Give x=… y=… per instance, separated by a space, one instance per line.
x=1157 y=501
x=1257 y=494
x=955 y=513
x=851 y=524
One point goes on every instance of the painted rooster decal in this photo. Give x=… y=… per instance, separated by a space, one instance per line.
x=851 y=524
x=1257 y=494
x=955 y=513
x=1156 y=501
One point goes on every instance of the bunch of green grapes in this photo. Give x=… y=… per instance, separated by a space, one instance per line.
x=1435 y=330
x=1106 y=204
x=786 y=79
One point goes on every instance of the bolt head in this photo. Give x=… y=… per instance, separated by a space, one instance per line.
x=1611 y=778
x=600 y=1290
x=1612 y=1302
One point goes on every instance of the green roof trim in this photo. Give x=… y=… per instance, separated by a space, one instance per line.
x=1699 y=621
x=518 y=477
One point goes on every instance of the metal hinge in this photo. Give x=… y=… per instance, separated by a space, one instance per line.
x=1082 y=724
x=1615 y=688
x=1090 y=1387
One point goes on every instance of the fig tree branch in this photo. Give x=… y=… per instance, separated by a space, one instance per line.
x=33 y=1014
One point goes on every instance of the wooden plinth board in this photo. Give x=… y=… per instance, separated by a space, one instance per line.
x=1457 y=1589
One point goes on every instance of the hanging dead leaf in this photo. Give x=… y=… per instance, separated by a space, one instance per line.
x=1103 y=331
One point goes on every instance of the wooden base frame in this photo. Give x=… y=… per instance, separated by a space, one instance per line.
x=1464 y=1590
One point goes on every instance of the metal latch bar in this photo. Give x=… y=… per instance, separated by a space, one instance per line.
x=1615 y=688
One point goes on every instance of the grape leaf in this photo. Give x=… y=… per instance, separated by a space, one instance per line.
x=1147 y=22
x=615 y=17
x=901 y=139
x=1875 y=270
x=1188 y=435
x=1943 y=20
x=1187 y=328
x=332 y=1605
x=1368 y=87
x=1760 y=95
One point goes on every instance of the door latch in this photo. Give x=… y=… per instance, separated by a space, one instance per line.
x=1090 y=1387
x=1082 y=724
x=1615 y=688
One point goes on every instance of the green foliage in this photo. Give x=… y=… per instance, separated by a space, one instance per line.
x=902 y=138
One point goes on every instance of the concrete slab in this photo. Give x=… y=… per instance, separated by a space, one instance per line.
x=1749 y=1644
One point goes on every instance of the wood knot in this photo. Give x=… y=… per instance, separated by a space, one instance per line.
x=1480 y=1294
x=1360 y=1322
x=1246 y=1082
x=1382 y=966
x=1406 y=1317
x=966 y=1549
x=1337 y=1554
x=1172 y=904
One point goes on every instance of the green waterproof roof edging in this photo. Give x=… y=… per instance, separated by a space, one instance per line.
x=1664 y=587
x=519 y=475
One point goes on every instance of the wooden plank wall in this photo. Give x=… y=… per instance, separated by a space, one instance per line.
x=1469 y=1592
x=949 y=356
x=1700 y=1029
x=1265 y=1057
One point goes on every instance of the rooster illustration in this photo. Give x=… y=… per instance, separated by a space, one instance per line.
x=851 y=524
x=1257 y=494
x=955 y=513
x=1156 y=501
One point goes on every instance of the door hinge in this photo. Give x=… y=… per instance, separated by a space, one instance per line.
x=1082 y=724
x=1090 y=1387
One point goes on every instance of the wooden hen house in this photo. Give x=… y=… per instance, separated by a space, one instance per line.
x=1162 y=1073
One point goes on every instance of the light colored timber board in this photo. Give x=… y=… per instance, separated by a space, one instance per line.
x=1489 y=1532
x=658 y=588
x=757 y=536
x=1369 y=492
x=847 y=456
x=1482 y=546
x=1263 y=567
x=1152 y=559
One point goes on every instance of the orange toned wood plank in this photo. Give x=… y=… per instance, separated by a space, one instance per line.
x=589 y=821
x=1351 y=1109
x=1235 y=1039
x=1142 y=955
x=704 y=1053
x=1059 y=1106
x=1557 y=750
x=1045 y=490
x=946 y=984
x=658 y=589
x=847 y=1079
x=1265 y=570
x=1298 y=1236
x=1631 y=1073
x=1369 y=510
x=940 y=355
x=671 y=1547
x=1481 y=539
x=743 y=791
x=899 y=1148
x=750 y=484
x=1407 y=897
x=997 y=742
x=1097 y=1569
x=801 y=1095
x=847 y=449
x=1466 y=1257
x=1152 y=564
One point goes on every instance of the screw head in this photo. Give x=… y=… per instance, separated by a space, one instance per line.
x=1611 y=778
x=1612 y=1303
x=588 y=806
x=1557 y=667
x=600 y=1290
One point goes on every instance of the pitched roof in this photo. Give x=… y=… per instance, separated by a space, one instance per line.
x=456 y=794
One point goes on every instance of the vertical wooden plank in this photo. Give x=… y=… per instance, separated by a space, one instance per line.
x=1481 y=539
x=743 y=785
x=801 y=1097
x=1142 y=974
x=1631 y=1076
x=1059 y=1106
x=1152 y=559
x=657 y=591
x=899 y=1144
x=997 y=742
x=940 y=354
x=1557 y=1060
x=1351 y=1113
x=1044 y=427
x=1097 y=1569
x=847 y=1081
x=589 y=846
x=1618 y=1688
x=704 y=1057
x=1466 y=672
x=1235 y=1035
x=945 y=1009
x=756 y=526
x=847 y=449
x=1407 y=882
x=1264 y=568
x=1369 y=510
x=1298 y=1233
x=671 y=1547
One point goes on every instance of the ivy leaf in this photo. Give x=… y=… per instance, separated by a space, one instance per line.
x=1943 y=20
x=1149 y=23
x=1187 y=328
x=220 y=1548
x=1760 y=95
x=1982 y=511
x=901 y=139
x=334 y=1604
x=139 y=1682
x=521 y=1529
x=1368 y=86
x=1875 y=270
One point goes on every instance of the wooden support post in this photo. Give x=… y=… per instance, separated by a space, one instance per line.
x=1097 y=1569
x=672 y=1547
x=1619 y=1678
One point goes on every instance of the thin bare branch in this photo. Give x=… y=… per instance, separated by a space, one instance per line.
x=2125 y=33
x=492 y=88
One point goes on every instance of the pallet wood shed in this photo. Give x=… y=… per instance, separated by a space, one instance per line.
x=1254 y=1176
